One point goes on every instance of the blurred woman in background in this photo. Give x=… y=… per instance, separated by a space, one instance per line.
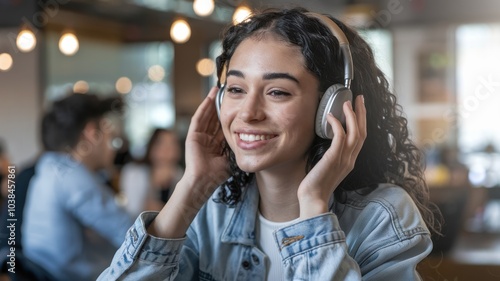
x=148 y=183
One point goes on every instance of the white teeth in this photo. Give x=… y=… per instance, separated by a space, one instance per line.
x=251 y=138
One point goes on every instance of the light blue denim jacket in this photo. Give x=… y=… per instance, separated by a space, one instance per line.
x=379 y=236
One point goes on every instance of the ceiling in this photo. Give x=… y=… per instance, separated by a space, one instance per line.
x=148 y=20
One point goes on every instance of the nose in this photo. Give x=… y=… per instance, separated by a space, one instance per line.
x=252 y=108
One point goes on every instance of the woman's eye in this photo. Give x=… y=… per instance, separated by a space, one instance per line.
x=277 y=93
x=233 y=90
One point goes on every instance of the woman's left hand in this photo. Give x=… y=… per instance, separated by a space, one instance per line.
x=338 y=161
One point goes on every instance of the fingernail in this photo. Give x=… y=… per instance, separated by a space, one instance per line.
x=349 y=103
x=363 y=98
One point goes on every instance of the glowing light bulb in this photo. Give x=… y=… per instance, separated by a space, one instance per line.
x=203 y=8
x=81 y=87
x=180 y=31
x=123 y=85
x=5 y=61
x=156 y=73
x=205 y=67
x=241 y=14
x=26 y=41
x=68 y=44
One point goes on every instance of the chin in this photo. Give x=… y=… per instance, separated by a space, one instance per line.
x=248 y=167
x=248 y=170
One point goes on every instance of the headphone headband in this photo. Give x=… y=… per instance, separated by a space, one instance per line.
x=343 y=42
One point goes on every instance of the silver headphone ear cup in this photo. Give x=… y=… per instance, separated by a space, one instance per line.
x=321 y=112
x=332 y=101
x=218 y=99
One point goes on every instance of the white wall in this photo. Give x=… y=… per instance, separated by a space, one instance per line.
x=20 y=102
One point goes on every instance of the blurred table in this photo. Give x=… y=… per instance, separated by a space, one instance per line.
x=474 y=257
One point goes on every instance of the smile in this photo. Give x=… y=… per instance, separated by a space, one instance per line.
x=252 y=137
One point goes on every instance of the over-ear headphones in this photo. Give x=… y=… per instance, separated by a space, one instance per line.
x=334 y=97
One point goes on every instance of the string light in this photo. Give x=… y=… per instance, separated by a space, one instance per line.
x=241 y=14
x=156 y=73
x=81 y=87
x=26 y=41
x=205 y=67
x=5 y=61
x=123 y=85
x=203 y=8
x=180 y=31
x=68 y=44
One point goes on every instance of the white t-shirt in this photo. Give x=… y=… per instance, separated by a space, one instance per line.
x=267 y=244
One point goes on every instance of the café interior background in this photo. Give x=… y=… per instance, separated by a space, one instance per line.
x=441 y=57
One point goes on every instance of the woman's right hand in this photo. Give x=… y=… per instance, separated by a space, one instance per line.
x=206 y=169
x=205 y=162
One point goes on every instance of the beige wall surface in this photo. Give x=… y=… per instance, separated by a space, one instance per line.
x=20 y=104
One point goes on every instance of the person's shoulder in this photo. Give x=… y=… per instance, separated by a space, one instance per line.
x=58 y=162
x=387 y=195
x=62 y=172
x=391 y=194
x=387 y=204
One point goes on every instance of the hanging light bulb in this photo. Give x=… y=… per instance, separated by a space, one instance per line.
x=241 y=14
x=26 y=41
x=81 y=87
x=203 y=8
x=123 y=85
x=68 y=44
x=156 y=73
x=205 y=67
x=180 y=31
x=5 y=61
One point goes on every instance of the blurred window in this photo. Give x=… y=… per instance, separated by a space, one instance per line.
x=478 y=99
x=100 y=63
x=381 y=42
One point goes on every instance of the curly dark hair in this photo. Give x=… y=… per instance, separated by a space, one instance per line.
x=388 y=155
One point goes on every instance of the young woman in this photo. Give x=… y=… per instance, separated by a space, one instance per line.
x=263 y=196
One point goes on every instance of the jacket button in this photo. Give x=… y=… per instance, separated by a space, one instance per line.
x=255 y=259
x=134 y=234
x=246 y=265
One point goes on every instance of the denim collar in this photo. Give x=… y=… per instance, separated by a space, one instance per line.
x=241 y=226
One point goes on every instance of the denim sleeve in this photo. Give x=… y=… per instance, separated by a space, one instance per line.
x=144 y=257
x=315 y=249
x=398 y=261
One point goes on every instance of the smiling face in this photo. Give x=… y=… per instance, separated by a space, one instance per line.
x=269 y=106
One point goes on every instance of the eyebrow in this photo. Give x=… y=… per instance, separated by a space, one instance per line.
x=267 y=76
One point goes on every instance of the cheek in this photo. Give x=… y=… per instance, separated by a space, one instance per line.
x=225 y=122
x=301 y=117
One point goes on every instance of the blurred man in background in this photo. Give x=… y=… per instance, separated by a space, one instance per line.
x=72 y=223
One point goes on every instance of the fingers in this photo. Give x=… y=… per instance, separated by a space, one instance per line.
x=346 y=146
x=205 y=118
x=361 y=118
x=338 y=141
x=356 y=130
